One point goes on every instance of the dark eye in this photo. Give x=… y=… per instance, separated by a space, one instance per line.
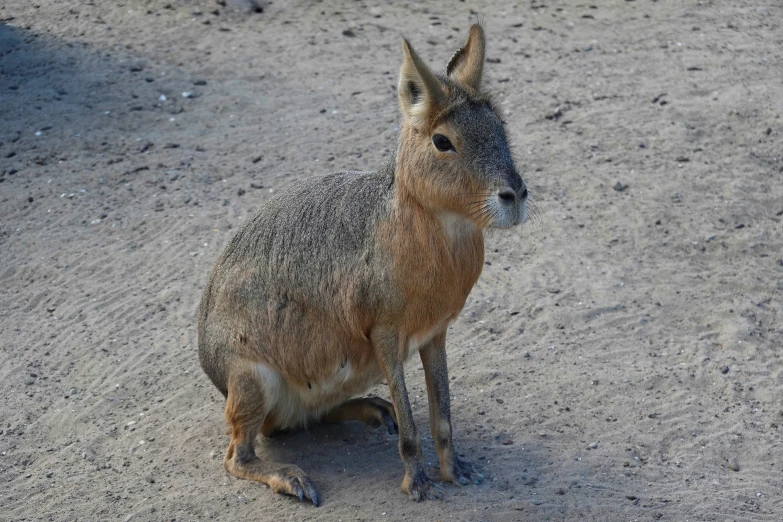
x=442 y=143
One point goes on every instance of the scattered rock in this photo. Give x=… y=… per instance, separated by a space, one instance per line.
x=724 y=370
x=620 y=187
x=500 y=401
x=507 y=442
x=560 y=491
x=733 y=464
x=593 y=445
x=349 y=33
x=256 y=185
x=29 y=379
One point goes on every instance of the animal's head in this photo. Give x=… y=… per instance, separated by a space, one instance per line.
x=454 y=150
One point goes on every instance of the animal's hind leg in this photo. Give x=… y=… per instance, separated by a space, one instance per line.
x=373 y=411
x=245 y=414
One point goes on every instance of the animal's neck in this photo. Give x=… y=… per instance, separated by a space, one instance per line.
x=429 y=227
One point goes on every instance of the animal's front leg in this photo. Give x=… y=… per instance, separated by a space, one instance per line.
x=452 y=468
x=416 y=484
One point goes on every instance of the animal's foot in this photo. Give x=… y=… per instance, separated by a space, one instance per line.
x=462 y=473
x=291 y=480
x=421 y=487
x=381 y=412
x=373 y=411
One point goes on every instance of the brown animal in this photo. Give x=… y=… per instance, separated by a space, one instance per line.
x=340 y=279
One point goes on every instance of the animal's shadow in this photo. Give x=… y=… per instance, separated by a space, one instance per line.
x=352 y=456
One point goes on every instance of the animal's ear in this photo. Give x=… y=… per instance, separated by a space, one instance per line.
x=421 y=93
x=467 y=63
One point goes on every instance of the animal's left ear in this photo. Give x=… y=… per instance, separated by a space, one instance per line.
x=466 y=65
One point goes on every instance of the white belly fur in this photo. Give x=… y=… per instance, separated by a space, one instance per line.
x=294 y=406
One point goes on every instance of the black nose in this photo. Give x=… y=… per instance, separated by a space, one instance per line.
x=524 y=194
x=507 y=195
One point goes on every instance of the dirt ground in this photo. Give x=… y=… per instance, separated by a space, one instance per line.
x=619 y=359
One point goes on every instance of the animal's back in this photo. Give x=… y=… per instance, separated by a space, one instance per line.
x=295 y=289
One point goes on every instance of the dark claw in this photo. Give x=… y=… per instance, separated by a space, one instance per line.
x=311 y=493
x=391 y=426
x=297 y=488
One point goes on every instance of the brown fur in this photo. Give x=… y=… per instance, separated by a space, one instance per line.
x=332 y=287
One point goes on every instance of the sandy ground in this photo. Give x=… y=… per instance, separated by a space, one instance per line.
x=619 y=359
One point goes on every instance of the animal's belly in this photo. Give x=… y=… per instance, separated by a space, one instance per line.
x=293 y=405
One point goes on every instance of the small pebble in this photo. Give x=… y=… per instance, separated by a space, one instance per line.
x=733 y=464
x=724 y=370
x=594 y=445
x=620 y=187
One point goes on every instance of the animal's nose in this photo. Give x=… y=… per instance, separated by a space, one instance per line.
x=523 y=193
x=507 y=196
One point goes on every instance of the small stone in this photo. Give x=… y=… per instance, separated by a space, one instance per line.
x=724 y=370
x=560 y=491
x=631 y=497
x=241 y=192
x=349 y=33
x=733 y=464
x=594 y=445
x=507 y=442
x=29 y=379
x=199 y=82
x=500 y=401
x=256 y=185
x=150 y=479
x=620 y=187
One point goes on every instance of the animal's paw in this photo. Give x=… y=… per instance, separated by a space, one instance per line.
x=291 y=480
x=462 y=473
x=383 y=414
x=421 y=487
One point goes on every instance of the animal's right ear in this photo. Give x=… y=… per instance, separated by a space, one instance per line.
x=466 y=65
x=421 y=93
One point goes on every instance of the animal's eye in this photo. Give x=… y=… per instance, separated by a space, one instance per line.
x=442 y=143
